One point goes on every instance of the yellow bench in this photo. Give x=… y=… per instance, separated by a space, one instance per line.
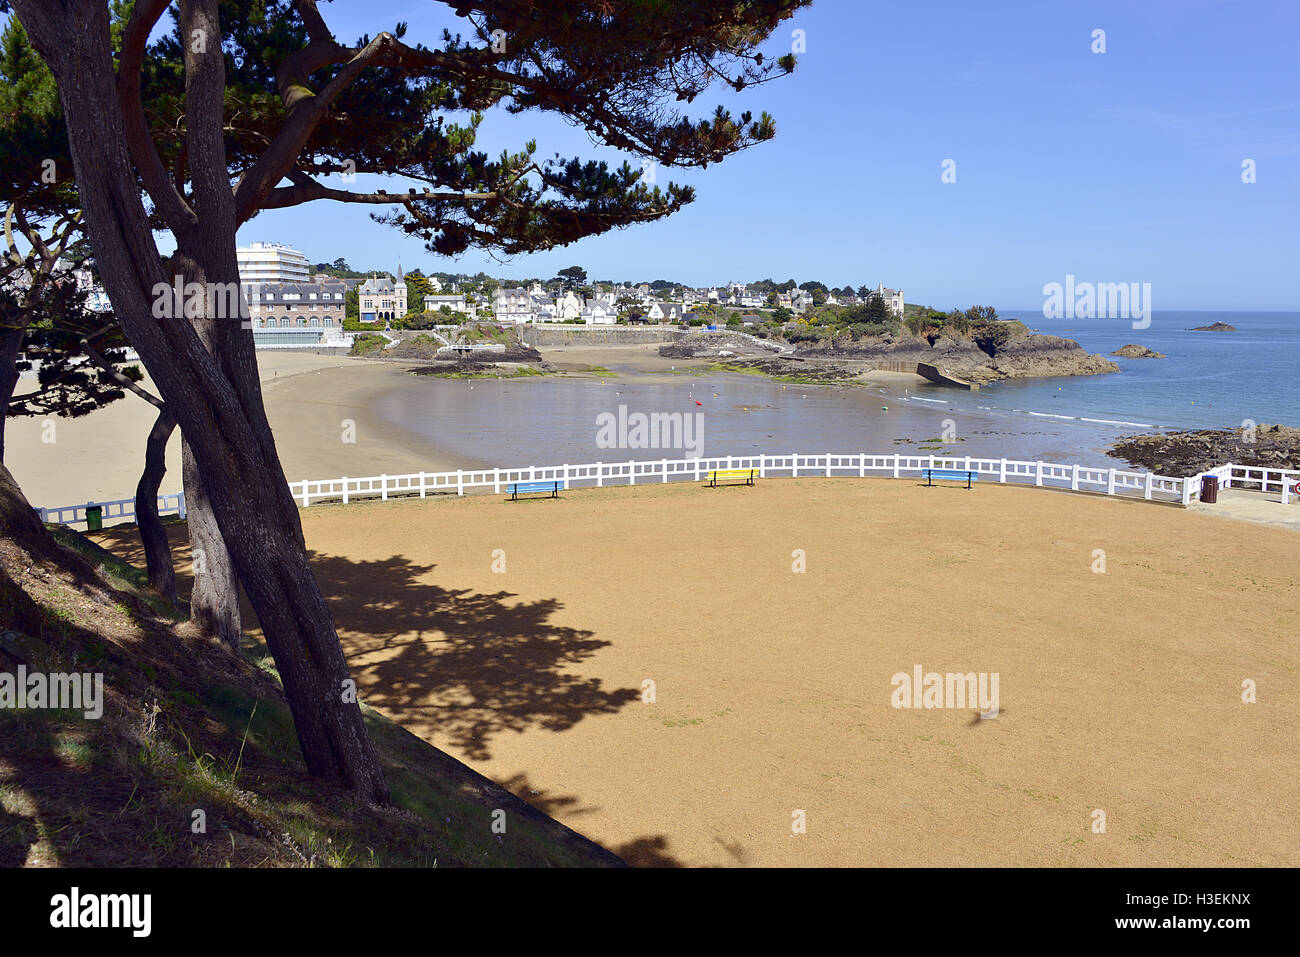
x=740 y=476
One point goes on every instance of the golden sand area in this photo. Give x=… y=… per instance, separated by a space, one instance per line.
x=520 y=638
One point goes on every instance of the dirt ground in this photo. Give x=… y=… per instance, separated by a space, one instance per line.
x=1120 y=691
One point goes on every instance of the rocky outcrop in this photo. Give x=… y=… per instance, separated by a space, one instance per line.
x=1214 y=327
x=1133 y=351
x=1001 y=351
x=1190 y=453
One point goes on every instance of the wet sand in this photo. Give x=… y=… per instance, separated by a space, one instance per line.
x=1119 y=691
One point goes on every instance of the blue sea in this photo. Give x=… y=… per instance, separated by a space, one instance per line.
x=1209 y=380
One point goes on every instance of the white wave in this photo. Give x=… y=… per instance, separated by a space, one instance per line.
x=1049 y=415
x=919 y=399
x=1139 y=425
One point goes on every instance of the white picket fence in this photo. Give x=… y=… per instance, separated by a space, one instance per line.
x=121 y=508
x=1079 y=478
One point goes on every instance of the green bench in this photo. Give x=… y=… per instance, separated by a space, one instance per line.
x=951 y=475
x=731 y=477
x=515 y=489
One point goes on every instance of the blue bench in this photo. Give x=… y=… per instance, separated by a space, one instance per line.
x=951 y=475
x=516 y=489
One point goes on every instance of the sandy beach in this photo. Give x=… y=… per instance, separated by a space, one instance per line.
x=309 y=400
x=519 y=637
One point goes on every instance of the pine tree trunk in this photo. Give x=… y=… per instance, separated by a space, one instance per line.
x=153 y=536
x=216 y=399
x=11 y=341
x=214 y=596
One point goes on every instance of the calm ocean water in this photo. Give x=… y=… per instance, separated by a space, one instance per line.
x=1209 y=380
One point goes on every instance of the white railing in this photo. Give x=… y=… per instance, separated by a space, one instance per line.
x=122 y=508
x=1258 y=478
x=1106 y=481
x=1079 y=478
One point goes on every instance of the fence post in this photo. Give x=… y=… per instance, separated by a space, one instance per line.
x=828 y=465
x=1038 y=473
x=1110 y=483
x=794 y=465
x=664 y=466
x=1074 y=478
x=897 y=474
x=421 y=485
x=1147 y=491
x=383 y=488
x=862 y=465
x=1002 y=475
x=600 y=475
x=697 y=468
x=180 y=504
x=496 y=481
x=345 y=490
x=460 y=482
x=306 y=499
x=1187 y=489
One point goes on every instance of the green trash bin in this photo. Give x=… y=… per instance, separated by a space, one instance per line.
x=94 y=518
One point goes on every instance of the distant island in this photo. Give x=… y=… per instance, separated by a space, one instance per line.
x=1214 y=327
x=1133 y=351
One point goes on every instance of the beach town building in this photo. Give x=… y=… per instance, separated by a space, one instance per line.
x=568 y=306
x=296 y=313
x=381 y=299
x=596 y=313
x=271 y=262
x=893 y=298
x=665 y=312
x=456 y=303
x=513 y=304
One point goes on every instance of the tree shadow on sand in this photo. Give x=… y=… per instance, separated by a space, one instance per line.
x=464 y=664
x=649 y=851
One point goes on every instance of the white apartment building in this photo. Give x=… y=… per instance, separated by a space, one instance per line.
x=456 y=303
x=271 y=262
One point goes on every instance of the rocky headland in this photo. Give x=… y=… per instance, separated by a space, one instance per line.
x=1214 y=327
x=1004 y=350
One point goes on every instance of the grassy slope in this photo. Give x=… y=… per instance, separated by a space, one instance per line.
x=186 y=725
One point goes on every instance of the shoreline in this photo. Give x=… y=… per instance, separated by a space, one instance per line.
x=335 y=416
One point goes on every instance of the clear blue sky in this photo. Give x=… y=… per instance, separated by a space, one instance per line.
x=1116 y=167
